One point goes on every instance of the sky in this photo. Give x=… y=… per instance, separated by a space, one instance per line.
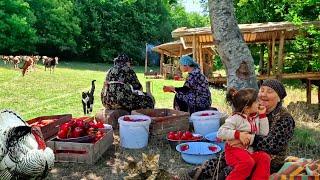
x=192 y=5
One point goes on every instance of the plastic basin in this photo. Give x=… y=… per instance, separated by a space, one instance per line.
x=197 y=152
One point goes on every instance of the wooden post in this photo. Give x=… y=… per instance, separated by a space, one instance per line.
x=280 y=54
x=161 y=63
x=146 y=60
x=148 y=87
x=261 y=61
x=273 y=64
x=194 y=46
x=201 y=59
x=319 y=96
x=269 y=58
x=308 y=91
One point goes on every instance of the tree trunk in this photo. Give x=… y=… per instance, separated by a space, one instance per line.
x=231 y=47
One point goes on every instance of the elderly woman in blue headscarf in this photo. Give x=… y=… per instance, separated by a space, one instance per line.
x=122 y=89
x=194 y=95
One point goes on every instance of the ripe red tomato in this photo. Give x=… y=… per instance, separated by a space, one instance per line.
x=79 y=123
x=170 y=134
x=204 y=114
x=65 y=126
x=92 y=124
x=127 y=118
x=184 y=147
x=213 y=148
x=171 y=137
x=91 y=131
x=184 y=137
x=179 y=133
x=62 y=134
x=98 y=136
x=188 y=134
x=79 y=131
x=100 y=125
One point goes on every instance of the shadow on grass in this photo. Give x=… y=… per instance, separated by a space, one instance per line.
x=305 y=143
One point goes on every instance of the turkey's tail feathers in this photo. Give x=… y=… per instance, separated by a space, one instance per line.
x=5 y=175
x=15 y=133
x=45 y=171
x=36 y=163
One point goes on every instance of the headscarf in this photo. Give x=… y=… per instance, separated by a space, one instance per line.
x=188 y=61
x=277 y=86
x=122 y=59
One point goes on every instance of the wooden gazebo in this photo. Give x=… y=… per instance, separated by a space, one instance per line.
x=271 y=33
x=177 y=49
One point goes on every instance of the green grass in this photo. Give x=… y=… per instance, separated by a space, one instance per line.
x=40 y=93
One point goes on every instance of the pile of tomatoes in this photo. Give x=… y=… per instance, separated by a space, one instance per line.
x=127 y=118
x=78 y=128
x=42 y=123
x=180 y=135
x=206 y=114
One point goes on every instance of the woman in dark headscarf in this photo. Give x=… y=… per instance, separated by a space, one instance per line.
x=122 y=89
x=195 y=94
x=281 y=129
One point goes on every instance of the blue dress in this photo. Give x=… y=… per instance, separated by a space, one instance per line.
x=195 y=94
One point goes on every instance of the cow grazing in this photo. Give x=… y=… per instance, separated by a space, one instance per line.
x=50 y=62
x=28 y=62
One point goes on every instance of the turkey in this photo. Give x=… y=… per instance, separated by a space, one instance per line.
x=23 y=153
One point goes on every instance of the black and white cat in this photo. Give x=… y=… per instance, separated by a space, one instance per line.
x=88 y=99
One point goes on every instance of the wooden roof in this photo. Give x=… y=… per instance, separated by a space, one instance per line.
x=172 y=49
x=252 y=33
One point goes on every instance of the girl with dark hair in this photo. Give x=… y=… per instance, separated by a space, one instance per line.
x=248 y=118
x=281 y=129
x=122 y=89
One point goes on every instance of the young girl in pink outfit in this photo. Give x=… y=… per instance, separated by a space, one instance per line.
x=247 y=120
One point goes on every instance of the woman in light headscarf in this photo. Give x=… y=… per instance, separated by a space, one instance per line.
x=122 y=89
x=195 y=94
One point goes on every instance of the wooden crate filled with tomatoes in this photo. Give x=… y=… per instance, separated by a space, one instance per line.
x=49 y=125
x=81 y=140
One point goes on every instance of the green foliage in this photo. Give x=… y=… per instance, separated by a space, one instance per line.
x=57 y=25
x=93 y=29
x=16 y=27
x=301 y=55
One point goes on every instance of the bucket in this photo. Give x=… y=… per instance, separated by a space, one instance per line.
x=134 y=134
x=205 y=122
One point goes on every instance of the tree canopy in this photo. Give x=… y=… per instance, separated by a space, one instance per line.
x=96 y=30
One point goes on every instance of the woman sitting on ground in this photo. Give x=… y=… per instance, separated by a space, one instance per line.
x=122 y=89
x=195 y=94
x=281 y=129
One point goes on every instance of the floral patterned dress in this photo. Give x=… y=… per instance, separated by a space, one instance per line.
x=195 y=94
x=122 y=90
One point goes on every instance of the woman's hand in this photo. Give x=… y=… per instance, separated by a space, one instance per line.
x=235 y=143
x=245 y=138
x=262 y=109
x=244 y=143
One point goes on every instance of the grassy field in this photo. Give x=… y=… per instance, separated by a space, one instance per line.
x=40 y=93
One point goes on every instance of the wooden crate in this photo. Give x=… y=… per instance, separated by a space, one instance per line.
x=51 y=130
x=164 y=121
x=87 y=153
